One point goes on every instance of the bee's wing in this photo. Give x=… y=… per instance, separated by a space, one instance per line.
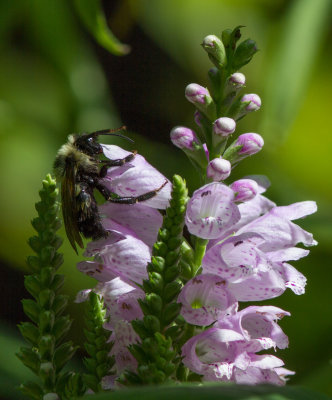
x=69 y=207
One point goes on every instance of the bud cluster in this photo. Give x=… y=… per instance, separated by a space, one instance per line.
x=219 y=109
x=47 y=354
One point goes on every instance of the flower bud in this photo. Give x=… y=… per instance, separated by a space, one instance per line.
x=237 y=80
x=251 y=143
x=196 y=93
x=201 y=98
x=244 y=53
x=218 y=169
x=184 y=138
x=254 y=102
x=245 y=189
x=215 y=49
x=245 y=145
x=224 y=126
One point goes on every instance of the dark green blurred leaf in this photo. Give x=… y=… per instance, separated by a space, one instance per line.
x=212 y=392
x=295 y=52
x=93 y=17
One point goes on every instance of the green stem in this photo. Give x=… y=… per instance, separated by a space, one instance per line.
x=200 y=248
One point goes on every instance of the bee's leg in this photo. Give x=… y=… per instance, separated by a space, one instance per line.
x=114 y=163
x=128 y=200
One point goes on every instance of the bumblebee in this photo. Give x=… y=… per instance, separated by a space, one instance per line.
x=80 y=170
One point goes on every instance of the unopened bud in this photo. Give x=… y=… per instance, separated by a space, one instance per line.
x=201 y=98
x=251 y=143
x=215 y=49
x=245 y=189
x=244 y=53
x=218 y=169
x=245 y=145
x=237 y=80
x=196 y=94
x=224 y=126
x=184 y=138
x=254 y=102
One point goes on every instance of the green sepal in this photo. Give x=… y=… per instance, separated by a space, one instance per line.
x=46 y=346
x=243 y=54
x=46 y=276
x=90 y=349
x=35 y=243
x=63 y=354
x=172 y=273
x=171 y=311
x=57 y=260
x=46 y=321
x=32 y=285
x=57 y=282
x=29 y=331
x=157 y=264
x=156 y=282
x=226 y=37
x=46 y=298
x=232 y=153
x=161 y=248
x=172 y=290
x=29 y=358
x=38 y=224
x=151 y=323
x=91 y=381
x=31 y=309
x=139 y=328
x=61 y=327
x=60 y=303
x=47 y=373
x=172 y=257
x=33 y=263
x=46 y=255
x=138 y=353
x=154 y=302
x=173 y=331
x=70 y=385
x=32 y=390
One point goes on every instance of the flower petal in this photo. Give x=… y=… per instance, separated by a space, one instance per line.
x=142 y=221
x=205 y=299
x=211 y=210
x=136 y=178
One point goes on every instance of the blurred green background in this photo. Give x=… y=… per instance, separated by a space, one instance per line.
x=56 y=78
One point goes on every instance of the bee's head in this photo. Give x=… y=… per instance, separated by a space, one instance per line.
x=88 y=144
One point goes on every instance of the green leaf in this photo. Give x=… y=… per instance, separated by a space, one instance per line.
x=94 y=19
x=212 y=392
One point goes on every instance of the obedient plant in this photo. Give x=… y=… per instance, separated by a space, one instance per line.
x=169 y=306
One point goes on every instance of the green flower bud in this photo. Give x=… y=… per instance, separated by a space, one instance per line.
x=171 y=311
x=243 y=54
x=216 y=50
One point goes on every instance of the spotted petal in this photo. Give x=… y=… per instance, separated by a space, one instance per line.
x=135 y=178
x=211 y=210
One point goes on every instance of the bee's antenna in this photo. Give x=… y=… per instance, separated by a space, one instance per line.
x=112 y=132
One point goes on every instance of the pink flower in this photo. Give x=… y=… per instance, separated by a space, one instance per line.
x=226 y=352
x=211 y=211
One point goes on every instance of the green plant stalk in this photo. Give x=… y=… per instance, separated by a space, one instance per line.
x=156 y=355
x=47 y=354
x=99 y=363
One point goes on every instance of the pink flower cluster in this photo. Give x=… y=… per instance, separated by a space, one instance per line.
x=250 y=245
x=119 y=261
